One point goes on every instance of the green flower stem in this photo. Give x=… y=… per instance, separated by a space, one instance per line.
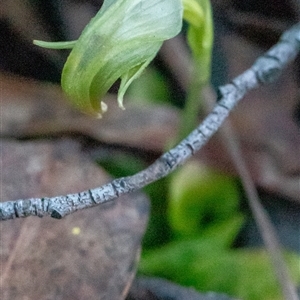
x=200 y=39
x=189 y=116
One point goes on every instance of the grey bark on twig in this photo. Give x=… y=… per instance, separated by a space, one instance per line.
x=264 y=70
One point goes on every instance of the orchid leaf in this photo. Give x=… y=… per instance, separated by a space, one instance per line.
x=199 y=198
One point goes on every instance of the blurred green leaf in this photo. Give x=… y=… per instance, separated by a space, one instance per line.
x=158 y=231
x=122 y=164
x=200 y=263
x=257 y=279
x=224 y=233
x=200 y=197
x=181 y=254
x=150 y=87
x=203 y=212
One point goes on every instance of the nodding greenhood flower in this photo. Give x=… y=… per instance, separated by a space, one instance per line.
x=119 y=42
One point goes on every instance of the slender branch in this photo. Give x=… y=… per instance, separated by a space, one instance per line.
x=266 y=228
x=265 y=69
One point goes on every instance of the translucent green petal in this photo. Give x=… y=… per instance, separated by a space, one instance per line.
x=128 y=77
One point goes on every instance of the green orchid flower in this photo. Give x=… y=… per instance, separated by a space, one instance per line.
x=119 y=42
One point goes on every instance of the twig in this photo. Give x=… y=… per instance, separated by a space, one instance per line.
x=265 y=69
x=229 y=138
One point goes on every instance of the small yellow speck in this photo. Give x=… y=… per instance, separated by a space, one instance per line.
x=76 y=230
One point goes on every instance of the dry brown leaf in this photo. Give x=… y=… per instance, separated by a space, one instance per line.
x=91 y=254
x=30 y=108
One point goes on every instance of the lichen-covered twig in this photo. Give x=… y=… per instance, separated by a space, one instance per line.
x=265 y=69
